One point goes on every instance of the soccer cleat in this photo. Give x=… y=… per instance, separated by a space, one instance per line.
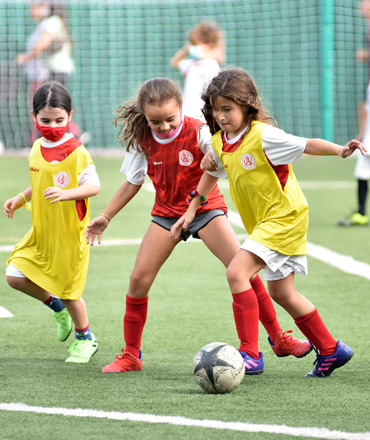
x=124 y=362
x=252 y=366
x=82 y=350
x=325 y=365
x=285 y=345
x=355 y=219
x=64 y=323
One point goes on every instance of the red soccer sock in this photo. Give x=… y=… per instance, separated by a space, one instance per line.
x=245 y=308
x=133 y=323
x=267 y=312
x=313 y=327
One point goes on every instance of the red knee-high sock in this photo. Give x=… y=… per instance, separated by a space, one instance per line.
x=133 y=323
x=312 y=326
x=245 y=308
x=267 y=312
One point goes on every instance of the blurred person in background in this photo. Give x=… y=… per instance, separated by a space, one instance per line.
x=48 y=53
x=362 y=169
x=199 y=61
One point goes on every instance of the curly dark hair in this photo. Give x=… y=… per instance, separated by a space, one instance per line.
x=237 y=85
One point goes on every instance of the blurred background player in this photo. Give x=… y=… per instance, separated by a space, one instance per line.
x=48 y=53
x=199 y=61
x=362 y=169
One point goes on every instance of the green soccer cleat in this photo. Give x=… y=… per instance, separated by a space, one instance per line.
x=355 y=219
x=82 y=350
x=64 y=323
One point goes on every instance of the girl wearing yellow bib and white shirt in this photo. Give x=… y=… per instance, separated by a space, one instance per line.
x=256 y=157
x=50 y=263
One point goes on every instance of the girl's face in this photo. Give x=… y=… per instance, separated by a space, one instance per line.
x=52 y=117
x=229 y=115
x=163 y=118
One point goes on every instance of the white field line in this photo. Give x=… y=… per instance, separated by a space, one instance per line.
x=309 y=432
x=5 y=313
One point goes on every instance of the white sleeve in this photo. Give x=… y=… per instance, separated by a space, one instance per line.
x=282 y=148
x=184 y=65
x=205 y=144
x=89 y=175
x=135 y=167
x=204 y=139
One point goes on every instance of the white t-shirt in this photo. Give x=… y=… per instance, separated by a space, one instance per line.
x=280 y=148
x=135 y=165
x=198 y=75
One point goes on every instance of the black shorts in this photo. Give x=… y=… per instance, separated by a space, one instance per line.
x=199 y=222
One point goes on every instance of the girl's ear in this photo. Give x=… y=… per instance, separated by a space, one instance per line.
x=34 y=117
x=70 y=116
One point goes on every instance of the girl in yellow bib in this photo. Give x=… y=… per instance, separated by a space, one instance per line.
x=256 y=157
x=50 y=262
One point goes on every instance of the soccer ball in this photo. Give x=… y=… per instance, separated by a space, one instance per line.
x=218 y=368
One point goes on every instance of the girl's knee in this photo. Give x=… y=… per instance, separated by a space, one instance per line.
x=15 y=282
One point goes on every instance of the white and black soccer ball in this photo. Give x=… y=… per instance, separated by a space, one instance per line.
x=218 y=368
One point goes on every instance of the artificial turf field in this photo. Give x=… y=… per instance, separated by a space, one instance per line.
x=189 y=306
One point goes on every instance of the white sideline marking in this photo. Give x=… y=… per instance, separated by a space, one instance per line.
x=311 y=432
x=4 y=313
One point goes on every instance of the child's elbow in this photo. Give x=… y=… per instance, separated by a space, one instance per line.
x=95 y=191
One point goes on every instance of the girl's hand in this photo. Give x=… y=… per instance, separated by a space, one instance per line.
x=58 y=194
x=11 y=205
x=351 y=146
x=96 y=228
x=208 y=163
x=182 y=223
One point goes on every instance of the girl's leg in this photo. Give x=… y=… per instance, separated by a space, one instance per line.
x=85 y=346
x=221 y=240
x=28 y=287
x=60 y=315
x=154 y=250
x=304 y=313
x=78 y=312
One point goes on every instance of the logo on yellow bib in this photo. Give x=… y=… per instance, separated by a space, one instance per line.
x=62 y=179
x=248 y=161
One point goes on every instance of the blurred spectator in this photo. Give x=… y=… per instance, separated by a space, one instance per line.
x=48 y=53
x=362 y=169
x=199 y=61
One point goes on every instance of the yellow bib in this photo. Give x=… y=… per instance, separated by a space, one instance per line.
x=54 y=254
x=274 y=217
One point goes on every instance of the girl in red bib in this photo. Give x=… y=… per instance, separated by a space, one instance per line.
x=168 y=147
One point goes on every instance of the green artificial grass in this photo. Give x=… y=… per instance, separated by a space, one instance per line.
x=189 y=306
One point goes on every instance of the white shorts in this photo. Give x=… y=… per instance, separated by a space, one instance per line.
x=12 y=271
x=278 y=266
x=362 y=169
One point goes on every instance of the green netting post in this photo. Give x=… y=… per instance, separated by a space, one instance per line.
x=327 y=69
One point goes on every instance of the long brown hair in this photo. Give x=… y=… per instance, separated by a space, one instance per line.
x=130 y=115
x=237 y=85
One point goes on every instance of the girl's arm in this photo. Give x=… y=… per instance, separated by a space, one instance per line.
x=16 y=202
x=320 y=147
x=205 y=186
x=179 y=55
x=83 y=191
x=97 y=226
x=42 y=44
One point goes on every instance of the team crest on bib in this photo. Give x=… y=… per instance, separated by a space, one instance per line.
x=62 y=179
x=185 y=158
x=248 y=161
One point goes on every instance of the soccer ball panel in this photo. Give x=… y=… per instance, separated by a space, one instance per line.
x=218 y=368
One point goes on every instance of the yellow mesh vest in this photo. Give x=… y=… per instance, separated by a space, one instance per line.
x=54 y=254
x=274 y=217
